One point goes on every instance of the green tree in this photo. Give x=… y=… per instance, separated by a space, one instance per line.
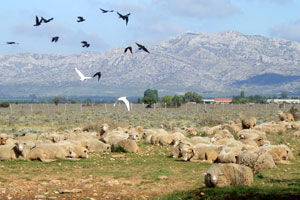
x=178 y=100
x=57 y=100
x=167 y=99
x=284 y=95
x=150 y=96
x=242 y=94
x=192 y=97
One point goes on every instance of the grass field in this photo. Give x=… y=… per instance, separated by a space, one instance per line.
x=151 y=174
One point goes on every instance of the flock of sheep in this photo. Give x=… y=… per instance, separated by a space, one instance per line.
x=239 y=148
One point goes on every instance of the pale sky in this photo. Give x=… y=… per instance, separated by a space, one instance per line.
x=150 y=22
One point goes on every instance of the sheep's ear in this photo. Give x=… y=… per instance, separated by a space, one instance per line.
x=205 y=174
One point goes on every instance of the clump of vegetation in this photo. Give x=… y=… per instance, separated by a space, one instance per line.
x=295 y=112
x=4 y=104
x=210 y=122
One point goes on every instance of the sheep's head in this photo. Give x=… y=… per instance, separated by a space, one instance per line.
x=104 y=128
x=19 y=146
x=187 y=152
x=3 y=140
x=212 y=178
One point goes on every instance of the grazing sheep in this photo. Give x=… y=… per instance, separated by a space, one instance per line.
x=288 y=117
x=257 y=160
x=127 y=145
x=281 y=153
x=249 y=122
x=222 y=175
x=200 y=152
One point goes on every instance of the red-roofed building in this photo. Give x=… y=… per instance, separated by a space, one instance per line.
x=223 y=100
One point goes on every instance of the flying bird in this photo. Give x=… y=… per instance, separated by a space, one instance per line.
x=124 y=17
x=46 y=20
x=80 y=19
x=82 y=77
x=37 y=21
x=85 y=44
x=97 y=74
x=142 y=47
x=105 y=11
x=11 y=43
x=55 y=39
x=125 y=101
x=128 y=48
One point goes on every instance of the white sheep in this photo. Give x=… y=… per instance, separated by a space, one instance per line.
x=257 y=160
x=222 y=175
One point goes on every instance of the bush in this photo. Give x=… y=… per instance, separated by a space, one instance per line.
x=4 y=104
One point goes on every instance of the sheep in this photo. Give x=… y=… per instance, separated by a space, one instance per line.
x=10 y=151
x=114 y=138
x=249 y=123
x=200 y=152
x=296 y=134
x=222 y=175
x=51 y=152
x=257 y=160
x=273 y=127
x=228 y=155
x=253 y=137
x=127 y=145
x=288 y=117
x=104 y=129
x=281 y=153
x=166 y=139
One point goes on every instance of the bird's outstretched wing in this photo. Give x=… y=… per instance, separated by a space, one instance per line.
x=128 y=48
x=79 y=73
x=125 y=101
x=98 y=74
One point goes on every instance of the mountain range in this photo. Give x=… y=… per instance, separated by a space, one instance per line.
x=212 y=64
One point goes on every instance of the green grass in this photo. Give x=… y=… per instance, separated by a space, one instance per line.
x=232 y=193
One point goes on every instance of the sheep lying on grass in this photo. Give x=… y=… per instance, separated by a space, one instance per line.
x=288 y=117
x=200 y=152
x=257 y=160
x=281 y=153
x=127 y=145
x=10 y=151
x=222 y=175
x=249 y=122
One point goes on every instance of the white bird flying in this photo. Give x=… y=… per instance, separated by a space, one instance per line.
x=82 y=77
x=125 y=101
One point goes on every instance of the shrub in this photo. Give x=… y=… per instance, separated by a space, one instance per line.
x=4 y=104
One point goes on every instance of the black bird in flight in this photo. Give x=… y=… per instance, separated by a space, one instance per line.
x=11 y=43
x=124 y=17
x=46 y=20
x=142 y=47
x=105 y=11
x=80 y=19
x=55 y=39
x=37 y=21
x=128 y=48
x=98 y=74
x=85 y=44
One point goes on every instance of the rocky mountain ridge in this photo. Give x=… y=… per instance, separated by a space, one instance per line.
x=222 y=63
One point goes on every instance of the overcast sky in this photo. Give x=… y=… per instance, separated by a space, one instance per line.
x=150 y=22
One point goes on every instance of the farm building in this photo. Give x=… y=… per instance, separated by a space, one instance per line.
x=223 y=100
x=280 y=101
